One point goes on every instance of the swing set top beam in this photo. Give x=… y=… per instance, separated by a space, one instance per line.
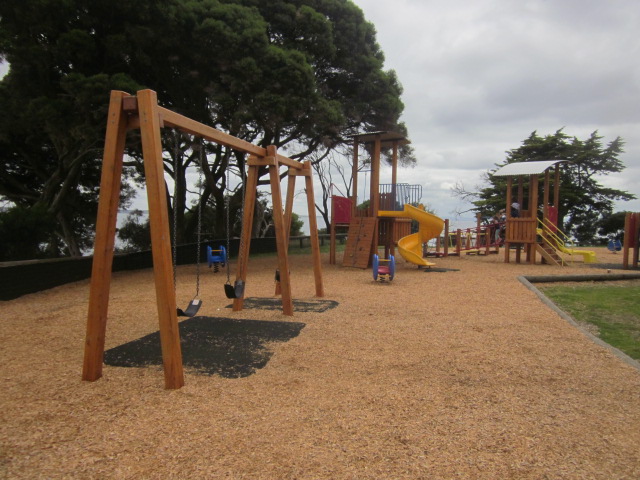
x=172 y=119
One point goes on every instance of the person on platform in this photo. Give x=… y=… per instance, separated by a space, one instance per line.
x=515 y=209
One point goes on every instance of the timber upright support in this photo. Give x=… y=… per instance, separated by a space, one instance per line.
x=631 y=242
x=142 y=111
x=149 y=122
x=110 y=184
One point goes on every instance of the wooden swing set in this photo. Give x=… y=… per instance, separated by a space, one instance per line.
x=127 y=112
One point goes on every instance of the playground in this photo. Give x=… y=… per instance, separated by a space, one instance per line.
x=450 y=367
x=464 y=373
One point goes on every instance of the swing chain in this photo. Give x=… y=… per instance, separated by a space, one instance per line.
x=174 y=234
x=227 y=214
x=199 y=233
x=243 y=189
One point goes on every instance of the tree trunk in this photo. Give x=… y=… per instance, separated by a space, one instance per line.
x=68 y=236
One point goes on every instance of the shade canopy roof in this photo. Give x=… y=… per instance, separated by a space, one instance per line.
x=386 y=138
x=526 y=168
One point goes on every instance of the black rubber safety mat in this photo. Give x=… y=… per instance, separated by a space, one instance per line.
x=317 y=306
x=231 y=348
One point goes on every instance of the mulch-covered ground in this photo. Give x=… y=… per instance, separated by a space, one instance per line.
x=461 y=372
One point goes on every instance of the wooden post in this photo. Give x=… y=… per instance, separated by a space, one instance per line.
x=556 y=191
x=631 y=240
x=313 y=230
x=545 y=201
x=446 y=238
x=636 y=239
x=626 y=241
x=521 y=203
x=110 y=184
x=546 y=192
x=521 y=194
x=354 y=174
x=332 y=237
x=394 y=166
x=374 y=194
x=533 y=209
x=288 y=210
x=394 y=173
x=507 y=245
x=374 y=189
x=291 y=186
x=281 y=236
x=160 y=238
x=391 y=222
x=458 y=242
x=247 y=224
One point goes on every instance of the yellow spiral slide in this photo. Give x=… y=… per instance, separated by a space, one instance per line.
x=430 y=226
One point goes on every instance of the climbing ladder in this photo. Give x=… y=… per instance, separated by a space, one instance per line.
x=551 y=245
x=550 y=254
x=357 y=252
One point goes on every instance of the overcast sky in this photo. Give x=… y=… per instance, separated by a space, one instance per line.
x=480 y=75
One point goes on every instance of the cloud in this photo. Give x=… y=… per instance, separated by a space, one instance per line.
x=480 y=75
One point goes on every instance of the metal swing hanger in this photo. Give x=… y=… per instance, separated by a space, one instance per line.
x=196 y=302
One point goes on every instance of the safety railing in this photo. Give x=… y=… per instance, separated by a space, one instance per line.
x=554 y=237
x=394 y=196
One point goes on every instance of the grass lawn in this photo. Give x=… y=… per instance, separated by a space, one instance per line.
x=612 y=310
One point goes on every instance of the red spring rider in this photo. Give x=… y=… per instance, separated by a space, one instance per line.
x=384 y=269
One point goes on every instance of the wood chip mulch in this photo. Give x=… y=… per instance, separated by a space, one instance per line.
x=463 y=374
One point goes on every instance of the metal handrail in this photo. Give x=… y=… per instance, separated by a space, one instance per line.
x=549 y=235
x=553 y=245
x=566 y=239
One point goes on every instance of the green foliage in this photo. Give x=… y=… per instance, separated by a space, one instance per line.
x=364 y=205
x=296 y=225
x=612 y=226
x=584 y=202
x=299 y=74
x=134 y=234
x=614 y=310
x=53 y=103
x=24 y=233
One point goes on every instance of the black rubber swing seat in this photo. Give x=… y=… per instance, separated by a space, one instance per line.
x=234 y=291
x=192 y=309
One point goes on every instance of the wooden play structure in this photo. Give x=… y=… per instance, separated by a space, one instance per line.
x=366 y=230
x=525 y=230
x=127 y=112
x=387 y=220
x=631 y=243
x=482 y=239
x=340 y=220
